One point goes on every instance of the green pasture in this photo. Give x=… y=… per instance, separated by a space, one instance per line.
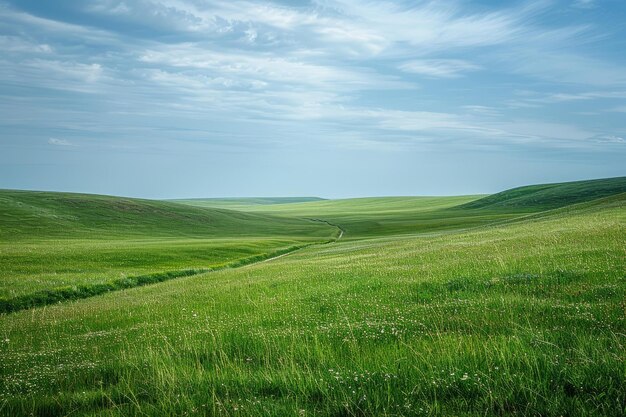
x=56 y=240
x=518 y=313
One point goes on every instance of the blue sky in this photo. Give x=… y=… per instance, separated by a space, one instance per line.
x=333 y=98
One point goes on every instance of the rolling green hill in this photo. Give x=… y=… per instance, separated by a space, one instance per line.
x=70 y=239
x=550 y=196
x=56 y=240
x=383 y=216
x=45 y=215
x=389 y=216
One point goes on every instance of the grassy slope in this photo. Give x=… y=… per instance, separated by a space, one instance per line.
x=49 y=240
x=32 y=215
x=550 y=196
x=521 y=318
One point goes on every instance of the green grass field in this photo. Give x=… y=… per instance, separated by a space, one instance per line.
x=380 y=216
x=59 y=240
x=511 y=304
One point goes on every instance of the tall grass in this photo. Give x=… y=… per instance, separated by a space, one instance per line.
x=68 y=293
x=517 y=319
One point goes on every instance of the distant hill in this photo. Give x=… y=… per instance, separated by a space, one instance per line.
x=34 y=214
x=50 y=215
x=383 y=216
x=244 y=202
x=380 y=216
x=550 y=196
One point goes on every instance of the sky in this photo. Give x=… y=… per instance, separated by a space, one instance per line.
x=328 y=98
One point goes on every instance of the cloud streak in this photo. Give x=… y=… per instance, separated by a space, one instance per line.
x=439 y=68
x=59 y=142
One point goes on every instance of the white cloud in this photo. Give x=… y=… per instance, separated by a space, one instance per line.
x=482 y=110
x=319 y=65
x=57 y=75
x=608 y=139
x=539 y=99
x=59 y=142
x=439 y=68
x=431 y=26
x=251 y=35
x=266 y=68
x=53 y=28
x=18 y=44
x=204 y=17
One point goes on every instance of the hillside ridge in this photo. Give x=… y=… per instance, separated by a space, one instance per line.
x=551 y=196
x=42 y=214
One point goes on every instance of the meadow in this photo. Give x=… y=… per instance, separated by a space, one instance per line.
x=510 y=304
x=58 y=242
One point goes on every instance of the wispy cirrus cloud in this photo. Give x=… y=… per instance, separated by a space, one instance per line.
x=260 y=67
x=16 y=44
x=608 y=139
x=439 y=68
x=447 y=71
x=59 y=142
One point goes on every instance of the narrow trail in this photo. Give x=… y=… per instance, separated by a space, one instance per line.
x=341 y=231
x=61 y=295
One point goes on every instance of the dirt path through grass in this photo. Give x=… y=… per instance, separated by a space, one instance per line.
x=324 y=243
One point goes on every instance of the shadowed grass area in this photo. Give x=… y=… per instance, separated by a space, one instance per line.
x=30 y=215
x=523 y=318
x=550 y=196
